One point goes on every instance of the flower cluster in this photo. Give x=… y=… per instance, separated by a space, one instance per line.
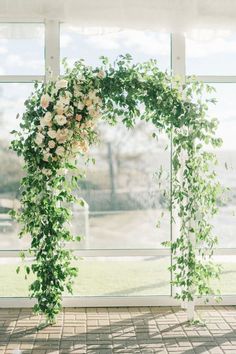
x=68 y=114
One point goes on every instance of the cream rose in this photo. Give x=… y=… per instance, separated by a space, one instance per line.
x=45 y=100
x=62 y=135
x=80 y=146
x=88 y=102
x=46 y=172
x=101 y=74
x=46 y=121
x=60 y=119
x=62 y=171
x=60 y=151
x=52 y=133
x=80 y=106
x=61 y=84
x=39 y=139
x=46 y=156
x=78 y=117
x=51 y=144
x=59 y=107
x=65 y=98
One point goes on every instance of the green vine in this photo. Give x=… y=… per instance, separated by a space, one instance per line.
x=59 y=124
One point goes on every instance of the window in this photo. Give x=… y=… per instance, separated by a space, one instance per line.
x=122 y=247
x=90 y=45
x=21 y=49
x=210 y=52
x=12 y=97
x=124 y=203
x=225 y=221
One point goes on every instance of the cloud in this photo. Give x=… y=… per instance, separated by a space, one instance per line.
x=201 y=44
x=148 y=43
x=106 y=42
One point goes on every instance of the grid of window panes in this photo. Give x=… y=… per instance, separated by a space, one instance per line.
x=123 y=204
x=211 y=55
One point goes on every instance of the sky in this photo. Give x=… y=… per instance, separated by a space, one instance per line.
x=207 y=52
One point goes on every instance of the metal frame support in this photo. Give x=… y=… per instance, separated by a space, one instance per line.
x=179 y=69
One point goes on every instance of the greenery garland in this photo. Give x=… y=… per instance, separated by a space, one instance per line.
x=59 y=124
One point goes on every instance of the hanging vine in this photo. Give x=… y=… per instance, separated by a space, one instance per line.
x=59 y=124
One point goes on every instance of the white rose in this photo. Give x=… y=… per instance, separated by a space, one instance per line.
x=80 y=146
x=89 y=124
x=46 y=172
x=60 y=151
x=59 y=107
x=65 y=101
x=62 y=135
x=61 y=84
x=51 y=144
x=39 y=139
x=80 y=106
x=46 y=156
x=60 y=119
x=88 y=102
x=78 y=117
x=46 y=121
x=44 y=101
x=52 y=133
x=101 y=74
x=62 y=171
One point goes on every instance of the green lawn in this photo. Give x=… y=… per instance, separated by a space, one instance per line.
x=114 y=276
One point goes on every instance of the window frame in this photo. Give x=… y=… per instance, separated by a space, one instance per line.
x=178 y=67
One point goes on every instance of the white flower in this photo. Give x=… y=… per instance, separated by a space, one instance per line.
x=80 y=106
x=46 y=121
x=60 y=151
x=52 y=133
x=65 y=98
x=62 y=171
x=101 y=74
x=46 y=156
x=60 y=119
x=39 y=139
x=46 y=172
x=78 y=117
x=61 y=84
x=88 y=102
x=80 y=146
x=45 y=99
x=89 y=124
x=59 y=107
x=62 y=135
x=51 y=144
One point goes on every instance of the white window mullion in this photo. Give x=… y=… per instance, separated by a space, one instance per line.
x=52 y=48
x=178 y=54
x=20 y=78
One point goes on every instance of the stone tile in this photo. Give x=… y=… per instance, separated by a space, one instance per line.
x=120 y=330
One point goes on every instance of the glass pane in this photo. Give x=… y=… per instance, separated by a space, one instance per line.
x=123 y=199
x=125 y=206
x=91 y=44
x=21 y=49
x=224 y=110
x=210 y=52
x=12 y=97
x=227 y=281
x=119 y=276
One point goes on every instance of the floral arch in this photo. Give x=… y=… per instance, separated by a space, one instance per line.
x=60 y=123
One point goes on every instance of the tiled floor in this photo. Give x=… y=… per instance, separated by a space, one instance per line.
x=119 y=330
